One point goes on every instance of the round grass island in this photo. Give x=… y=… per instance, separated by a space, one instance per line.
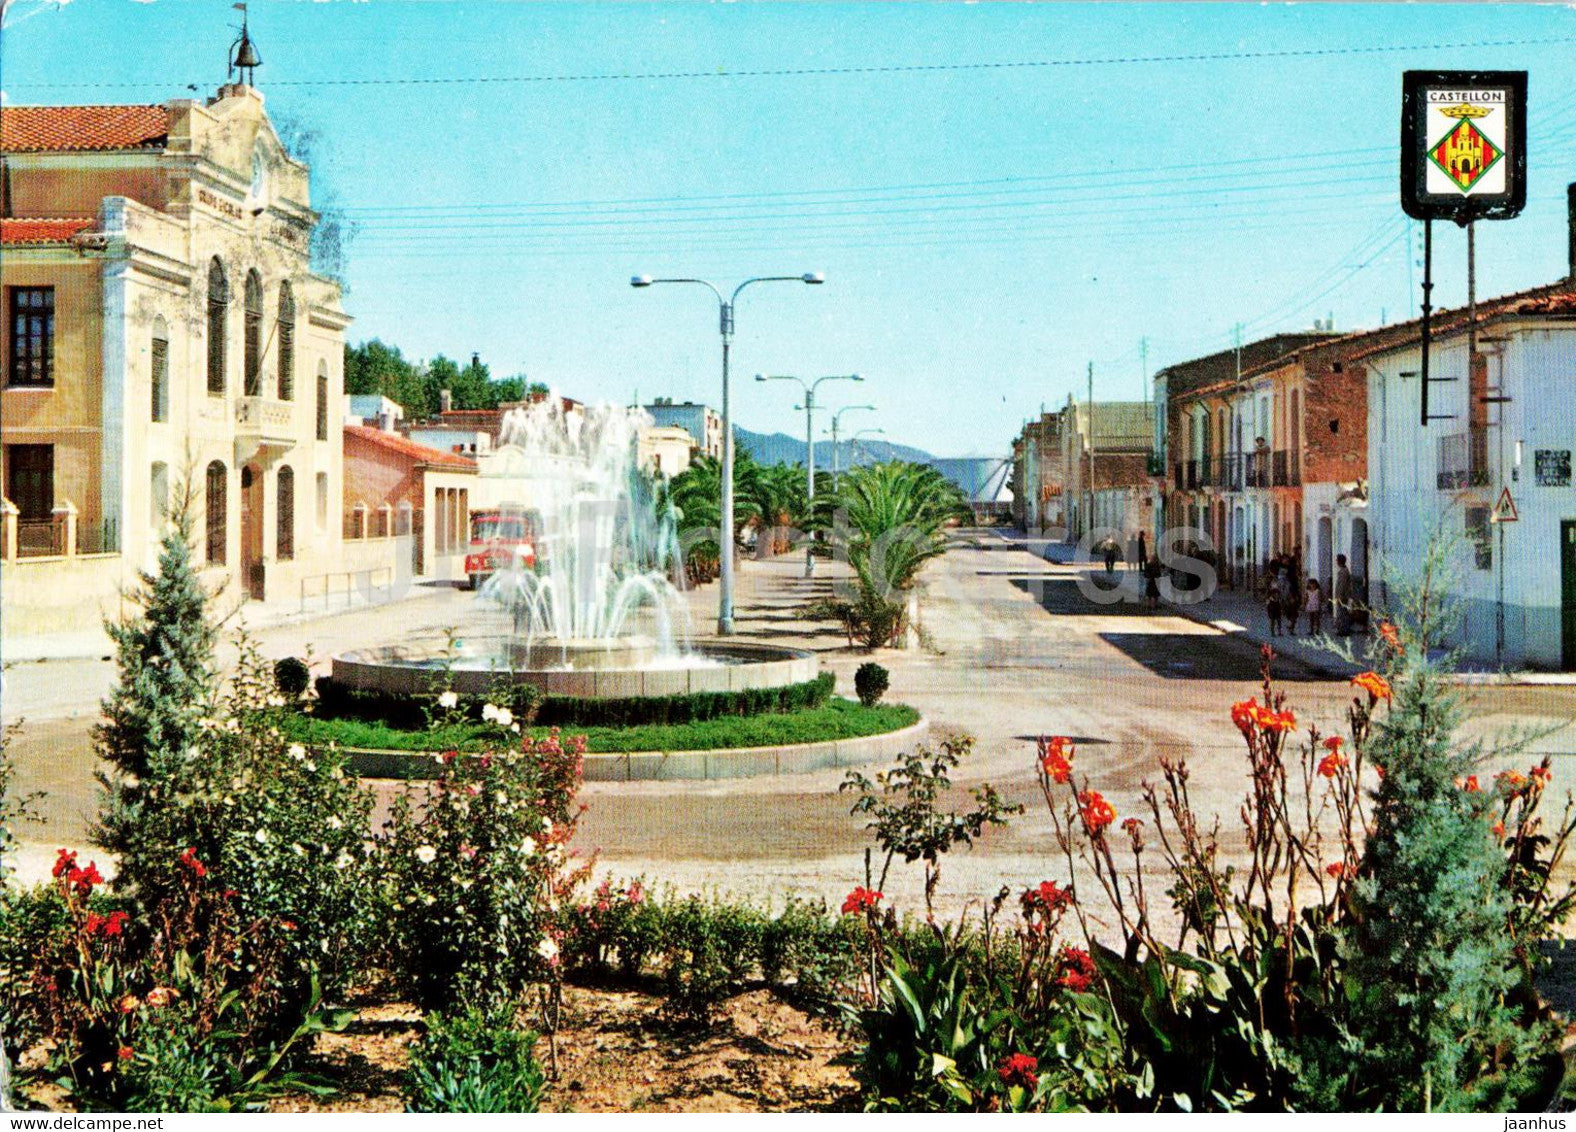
x=742 y=732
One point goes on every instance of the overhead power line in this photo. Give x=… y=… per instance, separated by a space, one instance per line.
x=865 y=69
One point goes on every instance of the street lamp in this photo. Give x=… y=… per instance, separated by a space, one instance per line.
x=725 y=323
x=836 y=419
x=868 y=432
x=809 y=388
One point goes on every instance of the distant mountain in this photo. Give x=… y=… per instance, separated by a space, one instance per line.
x=780 y=448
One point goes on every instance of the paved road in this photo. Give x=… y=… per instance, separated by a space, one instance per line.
x=1015 y=649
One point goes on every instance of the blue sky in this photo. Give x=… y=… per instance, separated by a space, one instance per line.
x=985 y=231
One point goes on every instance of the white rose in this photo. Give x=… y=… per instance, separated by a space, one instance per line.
x=425 y=854
x=449 y=700
x=528 y=846
x=336 y=822
x=261 y=836
x=515 y=727
x=547 y=825
x=547 y=949
x=489 y=712
x=297 y=751
x=505 y=717
x=342 y=861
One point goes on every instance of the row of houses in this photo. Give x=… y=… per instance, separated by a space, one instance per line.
x=1312 y=445
x=164 y=331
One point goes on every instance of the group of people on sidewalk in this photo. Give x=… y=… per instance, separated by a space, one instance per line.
x=1289 y=598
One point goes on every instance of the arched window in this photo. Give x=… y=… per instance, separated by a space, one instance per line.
x=285 y=544
x=159 y=371
x=253 y=342
x=218 y=311
x=218 y=490
x=322 y=400
x=287 y=317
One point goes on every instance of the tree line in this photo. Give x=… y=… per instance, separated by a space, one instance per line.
x=375 y=367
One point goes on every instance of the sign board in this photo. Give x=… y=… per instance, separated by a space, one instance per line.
x=1505 y=509
x=1464 y=145
x=1552 y=466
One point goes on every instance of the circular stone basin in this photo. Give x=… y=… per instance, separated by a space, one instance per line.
x=616 y=668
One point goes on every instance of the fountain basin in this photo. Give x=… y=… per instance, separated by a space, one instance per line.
x=616 y=669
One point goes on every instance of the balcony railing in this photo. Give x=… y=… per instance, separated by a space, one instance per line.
x=265 y=419
x=1257 y=473
x=39 y=538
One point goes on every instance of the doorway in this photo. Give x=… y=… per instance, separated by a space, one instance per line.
x=30 y=484
x=252 y=576
x=1568 y=595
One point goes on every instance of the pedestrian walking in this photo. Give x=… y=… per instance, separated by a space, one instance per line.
x=1110 y=555
x=1152 y=582
x=1285 y=587
x=1313 y=606
x=1274 y=604
x=1143 y=551
x=1341 y=597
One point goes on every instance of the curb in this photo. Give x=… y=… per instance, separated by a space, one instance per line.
x=678 y=766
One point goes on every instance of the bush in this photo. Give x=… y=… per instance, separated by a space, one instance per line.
x=474 y=1062
x=870 y=683
x=291 y=677
x=709 y=949
x=471 y=874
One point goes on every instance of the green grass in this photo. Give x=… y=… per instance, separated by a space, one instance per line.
x=836 y=719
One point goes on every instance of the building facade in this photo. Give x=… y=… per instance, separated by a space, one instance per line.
x=1509 y=432
x=702 y=422
x=164 y=333
x=398 y=489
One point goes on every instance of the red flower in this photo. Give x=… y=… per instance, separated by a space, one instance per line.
x=83 y=880
x=288 y=925
x=125 y=1053
x=1096 y=812
x=1242 y=714
x=861 y=900
x=92 y=923
x=64 y=863
x=1391 y=636
x=114 y=922
x=1018 y=1071
x=1331 y=764
x=1498 y=829
x=1541 y=776
x=1044 y=901
x=1511 y=781
x=1333 y=743
x=1132 y=825
x=1341 y=870
x=1377 y=687
x=189 y=859
x=1469 y=784
x=1077 y=969
x=1056 y=757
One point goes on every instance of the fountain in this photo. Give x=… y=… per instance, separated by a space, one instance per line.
x=599 y=612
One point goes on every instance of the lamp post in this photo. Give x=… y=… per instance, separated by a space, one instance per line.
x=836 y=420
x=725 y=322
x=809 y=388
x=867 y=432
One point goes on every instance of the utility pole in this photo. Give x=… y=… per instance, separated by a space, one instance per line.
x=1143 y=362
x=1089 y=519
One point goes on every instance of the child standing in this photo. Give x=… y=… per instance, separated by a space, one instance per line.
x=1273 y=606
x=1313 y=606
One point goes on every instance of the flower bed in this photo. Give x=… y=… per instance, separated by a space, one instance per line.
x=835 y=719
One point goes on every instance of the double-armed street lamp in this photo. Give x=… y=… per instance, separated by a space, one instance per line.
x=837 y=418
x=809 y=388
x=725 y=322
x=867 y=432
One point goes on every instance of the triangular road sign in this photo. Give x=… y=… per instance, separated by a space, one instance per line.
x=1505 y=509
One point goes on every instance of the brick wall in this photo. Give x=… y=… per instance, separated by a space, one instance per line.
x=1335 y=422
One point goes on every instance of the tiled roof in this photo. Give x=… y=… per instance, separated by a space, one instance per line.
x=47 y=129
x=39 y=229
x=1190 y=376
x=407 y=447
x=1557 y=299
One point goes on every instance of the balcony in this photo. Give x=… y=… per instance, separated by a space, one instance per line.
x=265 y=422
x=1257 y=473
